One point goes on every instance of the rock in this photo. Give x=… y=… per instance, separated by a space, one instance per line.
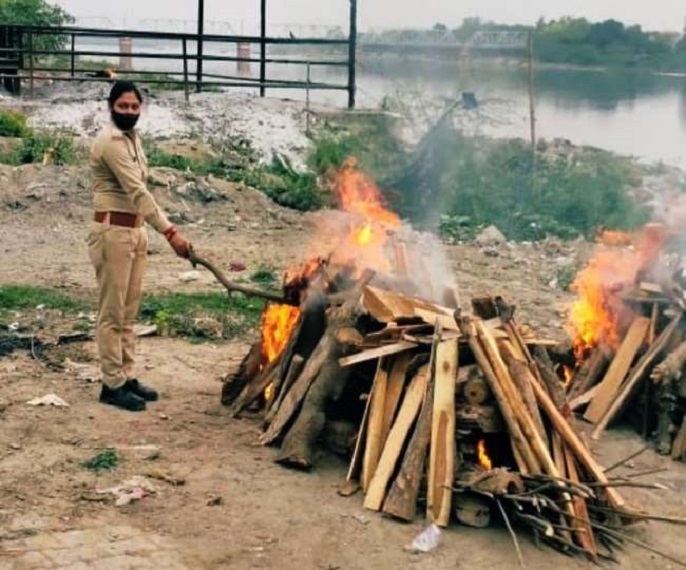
x=490 y=236
x=190 y=276
x=207 y=327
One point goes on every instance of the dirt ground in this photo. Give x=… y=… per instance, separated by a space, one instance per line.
x=267 y=517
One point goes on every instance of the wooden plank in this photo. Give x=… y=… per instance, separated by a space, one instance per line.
x=401 y=501
x=396 y=383
x=374 y=353
x=447 y=322
x=442 y=454
x=618 y=370
x=354 y=471
x=396 y=440
x=584 y=399
x=584 y=530
x=386 y=306
x=375 y=442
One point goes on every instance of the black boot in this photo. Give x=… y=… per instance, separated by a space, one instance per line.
x=133 y=386
x=122 y=398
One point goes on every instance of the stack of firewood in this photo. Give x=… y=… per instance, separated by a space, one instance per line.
x=429 y=385
x=643 y=374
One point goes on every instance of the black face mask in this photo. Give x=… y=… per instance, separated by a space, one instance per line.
x=124 y=122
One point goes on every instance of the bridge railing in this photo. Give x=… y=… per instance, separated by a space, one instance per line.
x=179 y=57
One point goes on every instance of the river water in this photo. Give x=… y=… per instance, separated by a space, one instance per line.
x=637 y=114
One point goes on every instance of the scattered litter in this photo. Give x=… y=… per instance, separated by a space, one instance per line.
x=190 y=276
x=164 y=417
x=49 y=400
x=362 y=519
x=131 y=490
x=145 y=331
x=426 y=541
x=13 y=327
x=215 y=502
x=237 y=266
x=15 y=446
x=82 y=371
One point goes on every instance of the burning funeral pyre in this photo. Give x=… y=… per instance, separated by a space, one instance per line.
x=464 y=414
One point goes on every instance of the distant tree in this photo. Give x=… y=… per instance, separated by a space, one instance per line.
x=440 y=28
x=37 y=13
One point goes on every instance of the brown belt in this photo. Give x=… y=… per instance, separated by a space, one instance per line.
x=118 y=219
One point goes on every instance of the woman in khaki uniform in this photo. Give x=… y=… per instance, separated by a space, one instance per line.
x=118 y=244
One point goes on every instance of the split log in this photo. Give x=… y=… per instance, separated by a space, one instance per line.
x=576 y=445
x=442 y=454
x=374 y=353
x=619 y=368
x=256 y=388
x=486 y=419
x=396 y=384
x=484 y=308
x=526 y=460
x=401 y=501
x=636 y=375
x=679 y=445
x=584 y=533
x=396 y=440
x=551 y=381
x=375 y=443
x=248 y=369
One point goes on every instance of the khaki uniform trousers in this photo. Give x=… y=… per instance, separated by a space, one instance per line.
x=119 y=256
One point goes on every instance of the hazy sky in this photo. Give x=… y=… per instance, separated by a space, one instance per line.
x=655 y=15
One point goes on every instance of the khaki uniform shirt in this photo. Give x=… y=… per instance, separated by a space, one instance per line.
x=120 y=173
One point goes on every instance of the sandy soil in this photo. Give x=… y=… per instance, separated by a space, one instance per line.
x=269 y=517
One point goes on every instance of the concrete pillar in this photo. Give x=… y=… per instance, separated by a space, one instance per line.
x=243 y=67
x=125 y=50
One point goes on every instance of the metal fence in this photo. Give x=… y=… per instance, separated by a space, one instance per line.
x=23 y=55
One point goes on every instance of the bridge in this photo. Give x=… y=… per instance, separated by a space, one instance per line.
x=373 y=41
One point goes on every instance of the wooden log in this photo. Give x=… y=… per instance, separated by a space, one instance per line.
x=248 y=369
x=374 y=353
x=584 y=533
x=355 y=469
x=679 y=445
x=526 y=460
x=590 y=372
x=442 y=454
x=575 y=444
x=294 y=397
x=636 y=375
x=476 y=390
x=375 y=440
x=486 y=419
x=294 y=371
x=484 y=307
x=298 y=444
x=396 y=384
x=521 y=374
x=401 y=501
x=583 y=399
x=256 y=388
x=550 y=380
x=396 y=440
x=472 y=510
x=611 y=384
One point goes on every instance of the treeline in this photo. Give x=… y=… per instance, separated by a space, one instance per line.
x=578 y=41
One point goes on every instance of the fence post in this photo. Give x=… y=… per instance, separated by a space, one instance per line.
x=73 y=56
x=31 y=78
x=352 y=55
x=185 y=69
x=263 y=47
x=307 y=99
x=201 y=28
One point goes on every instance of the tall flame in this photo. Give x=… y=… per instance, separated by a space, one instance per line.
x=596 y=316
x=482 y=454
x=277 y=324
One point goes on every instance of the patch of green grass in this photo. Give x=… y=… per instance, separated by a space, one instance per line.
x=13 y=124
x=21 y=297
x=105 y=460
x=56 y=146
x=177 y=314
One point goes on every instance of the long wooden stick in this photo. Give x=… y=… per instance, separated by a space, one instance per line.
x=576 y=445
x=232 y=287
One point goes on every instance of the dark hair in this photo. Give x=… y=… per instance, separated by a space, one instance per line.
x=121 y=87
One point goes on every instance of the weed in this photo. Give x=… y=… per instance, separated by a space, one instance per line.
x=20 y=297
x=13 y=124
x=105 y=460
x=264 y=276
x=51 y=147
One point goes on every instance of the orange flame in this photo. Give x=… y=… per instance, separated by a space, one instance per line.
x=277 y=324
x=358 y=195
x=568 y=372
x=596 y=316
x=482 y=454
